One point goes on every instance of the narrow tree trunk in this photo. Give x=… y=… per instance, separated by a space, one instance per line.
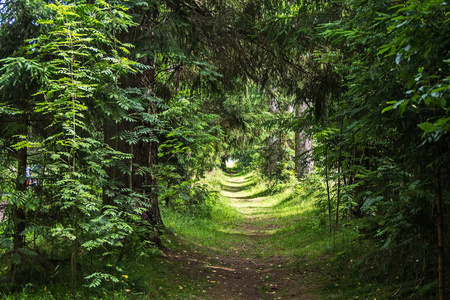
x=116 y=176
x=109 y=138
x=299 y=170
x=74 y=254
x=272 y=149
x=145 y=154
x=338 y=196
x=18 y=211
x=328 y=186
x=74 y=216
x=440 y=228
x=154 y=203
x=303 y=147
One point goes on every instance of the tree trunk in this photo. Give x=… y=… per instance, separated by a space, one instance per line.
x=440 y=229
x=145 y=183
x=116 y=176
x=328 y=186
x=272 y=141
x=18 y=211
x=154 y=211
x=338 y=196
x=142 y=182
x=74 y=252
x=303 y=147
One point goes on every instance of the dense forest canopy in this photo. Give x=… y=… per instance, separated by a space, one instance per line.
x=111 y=111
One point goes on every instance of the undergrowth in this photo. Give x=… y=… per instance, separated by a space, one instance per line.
x=294 y=226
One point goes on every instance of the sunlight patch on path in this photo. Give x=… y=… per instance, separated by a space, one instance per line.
x=238 y=192
x=240 y=196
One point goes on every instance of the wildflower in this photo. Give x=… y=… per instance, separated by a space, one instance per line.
x=125 y=276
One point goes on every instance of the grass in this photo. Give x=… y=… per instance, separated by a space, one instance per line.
x=287 y=223
x=203 y=234
x=297 y=230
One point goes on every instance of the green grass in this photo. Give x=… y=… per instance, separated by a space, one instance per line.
x=286 y=223
x=295 y=229
x=205 y=234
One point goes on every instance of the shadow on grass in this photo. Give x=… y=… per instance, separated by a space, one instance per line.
x=287 y=201
x=234 y=236
x=261 y=215
x=263 y=193
x=231 y=188
x=248 y=185
x=236 y=173
x=238 y=187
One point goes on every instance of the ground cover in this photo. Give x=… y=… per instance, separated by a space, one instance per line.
x=244 y=256
x=254 y=244
x=264 y=245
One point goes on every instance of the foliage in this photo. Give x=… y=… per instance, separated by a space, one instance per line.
x=110 y=109
x=386 y=135
x=68 y=64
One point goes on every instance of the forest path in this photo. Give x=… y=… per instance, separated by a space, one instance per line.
x=254 y=267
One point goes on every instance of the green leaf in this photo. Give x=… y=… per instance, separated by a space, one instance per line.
x=388 y=108
x=428 y=127
x=402 y=107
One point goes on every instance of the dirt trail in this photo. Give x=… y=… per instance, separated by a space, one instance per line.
x=245 y=273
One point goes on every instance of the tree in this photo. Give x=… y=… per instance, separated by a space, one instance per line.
x=20 y=80
x=385 y=56
x=67 y=64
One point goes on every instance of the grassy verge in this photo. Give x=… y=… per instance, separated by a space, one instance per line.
x=206 y=234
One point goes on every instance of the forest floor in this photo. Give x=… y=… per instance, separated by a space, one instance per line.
x=253 y=242
x=244 y=274
x=252 y=263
